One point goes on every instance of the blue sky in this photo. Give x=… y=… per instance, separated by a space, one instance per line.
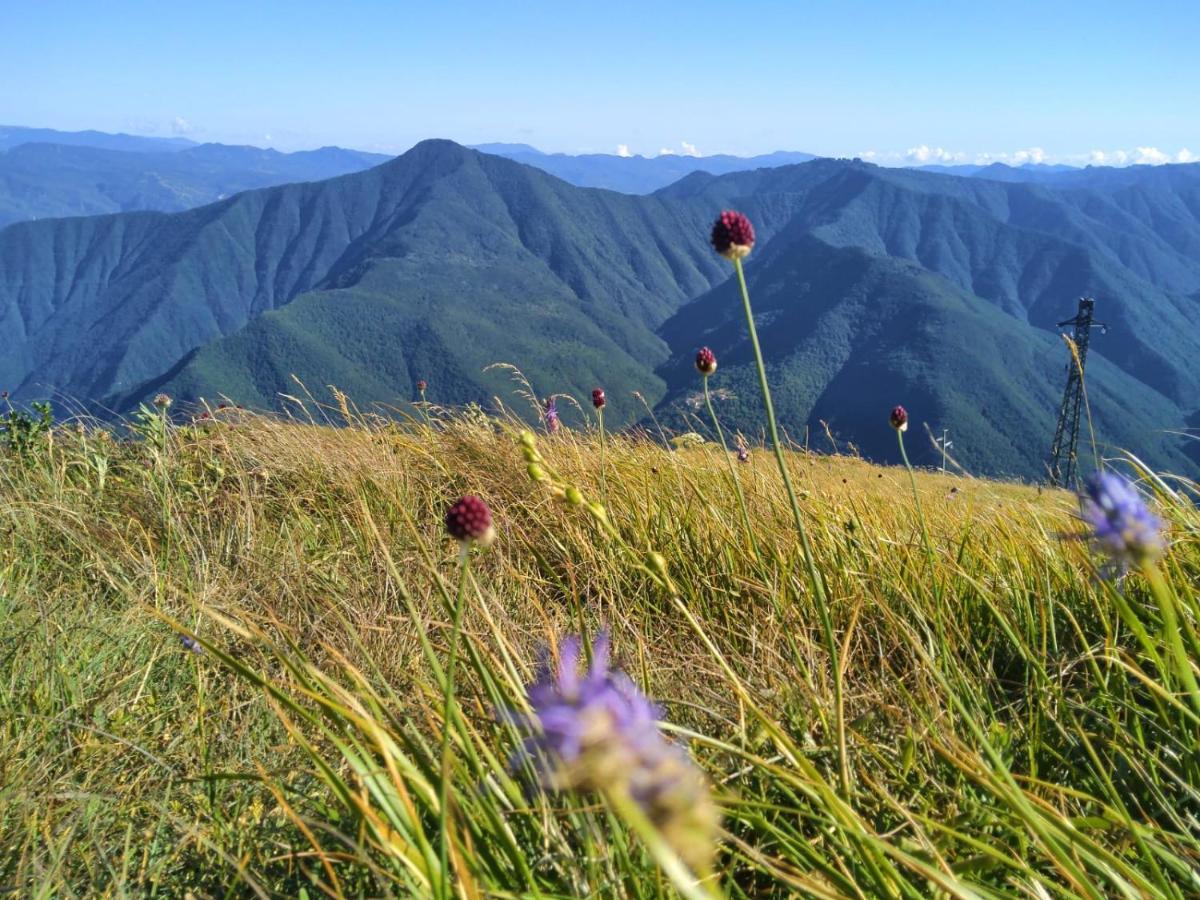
x=965 y=81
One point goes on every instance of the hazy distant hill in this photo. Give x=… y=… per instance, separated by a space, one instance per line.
x=12 y=135
x=635 y=174
x=873 y=286
x=45 y=180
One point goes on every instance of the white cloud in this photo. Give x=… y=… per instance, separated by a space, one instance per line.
x=1187 y=156
x=688 y=150
x=181 y=126
x=1035 y=155
x=925 y=154
x=623 y=150
x=1150 y=156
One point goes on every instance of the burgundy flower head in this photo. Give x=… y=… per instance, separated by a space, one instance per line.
x=899 y=418
x=706 y=361
x=422 y=386
x=470 y=520
x=732 y=235
x=598 y=398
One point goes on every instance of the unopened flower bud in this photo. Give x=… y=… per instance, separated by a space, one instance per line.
x=706 y=361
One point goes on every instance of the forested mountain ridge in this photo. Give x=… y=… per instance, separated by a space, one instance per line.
x=873 y=286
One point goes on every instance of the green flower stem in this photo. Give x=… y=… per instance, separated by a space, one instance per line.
x=912 y=480
x=603 y=483
x=1172 y=635
x=737 y=485
x=818 y=586
x=444 y=807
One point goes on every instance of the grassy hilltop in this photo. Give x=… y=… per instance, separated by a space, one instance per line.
x=1005 y=723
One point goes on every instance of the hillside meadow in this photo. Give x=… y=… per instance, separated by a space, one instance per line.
x=225 y=643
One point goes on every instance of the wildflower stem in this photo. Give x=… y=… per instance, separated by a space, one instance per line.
x=452 y=659
x=912 y=480
x=603 y=482
x=818 y=587
x=668 y=860
x=737 y=485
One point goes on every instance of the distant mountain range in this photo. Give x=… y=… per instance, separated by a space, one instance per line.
x=872 y=286
x=47 y=180
x=15 y=135
x=635 y=174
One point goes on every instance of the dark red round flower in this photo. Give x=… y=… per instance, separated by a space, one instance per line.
x=598 y=398
x=899 y=418
x=470 y=520
x=706 y=361
x=422 y=386
x=732 y=235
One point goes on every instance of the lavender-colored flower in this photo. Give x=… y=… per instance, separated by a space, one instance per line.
x=706 y=361
x=596 y=731
x=470 y=519
x=743 y=455
x=598 y=398
x=162 y=401
x=732 y=235
x=422 y=386
x=899 y=418
x=1122 y=527
x=551 y=414
x=190 y=644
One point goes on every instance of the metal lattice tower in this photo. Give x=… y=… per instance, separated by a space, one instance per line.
x=1066 y=435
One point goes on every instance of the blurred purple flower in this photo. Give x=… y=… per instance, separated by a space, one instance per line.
x=743 y=455
x=190 y=643
x=595 y=731
x=1122 y=527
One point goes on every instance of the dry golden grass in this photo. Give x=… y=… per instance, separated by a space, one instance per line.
x=128 y=762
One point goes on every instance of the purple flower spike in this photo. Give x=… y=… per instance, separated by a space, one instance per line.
x=595 y=731
x=551 y=414
x=598 y=398
x=1122 y=526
